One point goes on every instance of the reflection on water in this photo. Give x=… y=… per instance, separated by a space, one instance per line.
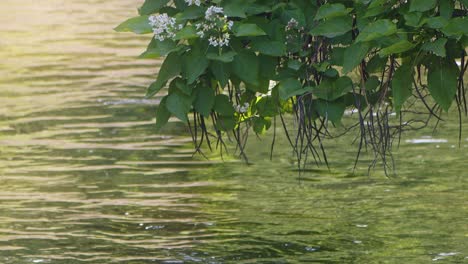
x=84 y=178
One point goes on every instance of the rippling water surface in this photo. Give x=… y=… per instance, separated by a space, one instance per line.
x=84 y=178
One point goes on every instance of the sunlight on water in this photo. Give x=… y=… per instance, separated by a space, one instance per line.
x=84 y=178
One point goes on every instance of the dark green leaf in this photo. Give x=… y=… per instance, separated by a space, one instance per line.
x=268 y=47
x=288 y=88
x=456 y=27
x=442 y=82
x=152 y=6
x=332 y=111
x=333 y=27
x=170 y=68
x=402 y=84
x=224 y=57
x=162 y=114
x=158 y=48
x=221 y=72
x=248 y=30
x=195 y=64
x=205 y=100
x=246 y=67
x=331 y=10
x=223 y=106
x=422 y=5
x=437 y=47
x=332 y=89
x=179 y=105
x=353 y=55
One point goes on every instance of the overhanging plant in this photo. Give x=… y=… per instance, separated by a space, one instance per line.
x=239 y=65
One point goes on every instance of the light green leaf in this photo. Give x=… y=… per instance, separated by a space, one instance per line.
x=179 y=105
x=333 y=27
x=402 y=84
x=248 y=30
x=353 y=55
x=442 y=81
x=422 y=5
x=331 y=10
x=377 y=29
x=138 y=25
x=152 y=6
x=396 y=48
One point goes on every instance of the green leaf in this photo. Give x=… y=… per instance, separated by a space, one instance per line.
x=224 y=57
x=396 y=48
x=226 y=123
x=446 y=8
x=205 y=100
x=179 y=105
x=402 y=85
x=442 y=81
x=333 y=27
x=152 y=6
x=221 y=72
x=332 y=111
x=377 y=29
x=246 y=67
x=289 y=88
x=223 y=106
x=162 y=114
x=435 y=22
x=260 y=124
x=171 y=67
x=195 y=64
x=372 y=83
x=353 y=55
x=437 y=47
x=248 y=30
x=456 y=27
x=191 y=12
x=331 y=10
x=332 y=89
x=187 y=32
x=138 y=25
x=422 y=5
x=158 y=48
x=235 y=9
x=268 y=47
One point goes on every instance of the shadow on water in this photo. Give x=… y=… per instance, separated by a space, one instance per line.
x=84 y=178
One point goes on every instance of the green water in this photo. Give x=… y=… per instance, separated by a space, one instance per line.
x=84 y=178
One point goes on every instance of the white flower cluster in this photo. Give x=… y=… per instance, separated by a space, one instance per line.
x=193 y=2
x=242 y=109
x=164 y=26
x=216 y=26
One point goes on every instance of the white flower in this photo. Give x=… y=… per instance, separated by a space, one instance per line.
x=242 y=109
x=164 y=26
x=212 y=12
x=193 y=2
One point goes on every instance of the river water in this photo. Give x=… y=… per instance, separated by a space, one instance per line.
x=84 y=178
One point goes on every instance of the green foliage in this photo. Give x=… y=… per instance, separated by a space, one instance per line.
x=244 y=62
